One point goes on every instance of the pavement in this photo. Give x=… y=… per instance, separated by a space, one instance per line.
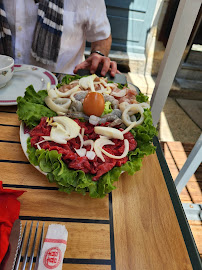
x=181 y=118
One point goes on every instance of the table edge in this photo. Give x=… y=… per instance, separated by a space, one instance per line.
x=179 y=211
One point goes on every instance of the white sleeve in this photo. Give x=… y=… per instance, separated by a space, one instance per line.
x=98 y=26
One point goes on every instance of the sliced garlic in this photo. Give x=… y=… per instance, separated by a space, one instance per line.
x=81 y=152
x=90 y=155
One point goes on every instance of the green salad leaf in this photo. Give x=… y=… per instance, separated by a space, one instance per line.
x=69 y=78
x=31 y=107
x=142 y=98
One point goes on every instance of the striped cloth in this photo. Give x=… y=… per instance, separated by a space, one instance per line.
x=47 y=34
x=5 y=33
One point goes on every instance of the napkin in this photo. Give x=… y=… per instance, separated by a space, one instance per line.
x=54 y=247
x=9 y=212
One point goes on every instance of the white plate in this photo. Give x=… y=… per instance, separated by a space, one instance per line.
x=24 y=135
x=38 y=77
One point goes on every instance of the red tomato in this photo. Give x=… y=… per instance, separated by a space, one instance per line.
x=94 y=104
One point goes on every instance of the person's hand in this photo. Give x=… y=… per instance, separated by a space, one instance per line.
x=94 y=61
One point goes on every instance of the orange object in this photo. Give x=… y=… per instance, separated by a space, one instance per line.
x=94 y=104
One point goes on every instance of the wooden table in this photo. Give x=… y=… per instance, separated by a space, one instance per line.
x=140 y=225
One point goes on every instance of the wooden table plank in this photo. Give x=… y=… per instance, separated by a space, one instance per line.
x=15 y=152
x=145 y=223
x=85 y=240
x=52 y=203
x=9 y=119
x=85 y=267
x=27 y=175
x=8 y=133
x=69 y=266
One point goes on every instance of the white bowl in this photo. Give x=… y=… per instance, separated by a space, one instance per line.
x=6 y=69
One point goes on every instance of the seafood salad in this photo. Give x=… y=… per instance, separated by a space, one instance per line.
x=86 y=131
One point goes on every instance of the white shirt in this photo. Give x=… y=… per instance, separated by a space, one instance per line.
x=83 y=20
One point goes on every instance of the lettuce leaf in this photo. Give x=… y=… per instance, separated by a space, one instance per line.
x=69 y=180
x=31 y=107
x=69 y=78
x=142 y=98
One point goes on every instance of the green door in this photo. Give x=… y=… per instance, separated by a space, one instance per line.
x=130 y=23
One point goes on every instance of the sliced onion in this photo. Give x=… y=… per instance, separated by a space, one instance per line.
x=113 y=85
x=64 y=102
x=109 y=132
x=81 y=152
x=125 y=152
x=144 y=105
x=98 y=144
x=121 y=93
x=37 y=144
x=56 y=106
x=74 y=81
x=123 y=105
x=92 y=87
x=87 y=82
x=89 y=142
x=59 y=135
x=70 y=126
x=67 y=93
x=82 y=132
x=46 y=138
x=52 y=94
x=60 y=113
x=81 y=139
x=135 y=108
x=90 y=155
x=103 y=82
